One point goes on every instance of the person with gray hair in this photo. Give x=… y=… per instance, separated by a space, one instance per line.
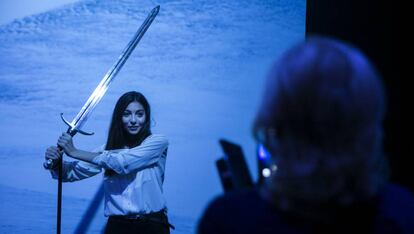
x=320 y=127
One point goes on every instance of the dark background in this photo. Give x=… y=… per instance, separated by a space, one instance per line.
x=375 y=27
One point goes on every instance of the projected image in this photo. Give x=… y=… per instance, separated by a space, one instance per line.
x=201 y=66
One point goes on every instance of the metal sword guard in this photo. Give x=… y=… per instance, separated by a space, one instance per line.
x=49 y=164
x=72 y=130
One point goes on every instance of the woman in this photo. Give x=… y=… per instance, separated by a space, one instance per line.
x=134 y=163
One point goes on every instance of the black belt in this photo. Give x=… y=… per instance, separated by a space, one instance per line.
x=157 y=217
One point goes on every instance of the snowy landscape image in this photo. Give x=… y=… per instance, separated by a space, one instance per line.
x=201 y=65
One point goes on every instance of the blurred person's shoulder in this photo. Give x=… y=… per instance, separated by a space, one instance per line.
x=230 y=201
x=241 y=211
x=397 y=206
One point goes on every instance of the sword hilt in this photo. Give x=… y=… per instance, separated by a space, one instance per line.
x=52 y=164
x=72 y=130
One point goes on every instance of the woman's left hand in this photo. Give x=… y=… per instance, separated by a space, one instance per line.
x=65 y=141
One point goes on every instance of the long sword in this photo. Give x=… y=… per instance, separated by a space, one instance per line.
x=80 y=119
x=98 y=93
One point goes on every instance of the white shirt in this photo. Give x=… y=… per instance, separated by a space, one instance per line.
x=136 y=188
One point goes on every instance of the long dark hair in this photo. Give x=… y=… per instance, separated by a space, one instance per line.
x=118 y=137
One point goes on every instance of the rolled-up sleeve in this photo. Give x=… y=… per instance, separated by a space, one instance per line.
x=127 y=160
x=76 y=170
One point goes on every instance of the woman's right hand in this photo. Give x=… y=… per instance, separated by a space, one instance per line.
x=52 y=155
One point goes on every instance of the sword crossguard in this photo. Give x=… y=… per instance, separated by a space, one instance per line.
x=72 y=130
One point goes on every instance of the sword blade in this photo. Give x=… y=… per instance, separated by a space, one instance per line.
x=102 y=87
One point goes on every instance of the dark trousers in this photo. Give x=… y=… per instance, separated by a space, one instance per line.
x=154 y=223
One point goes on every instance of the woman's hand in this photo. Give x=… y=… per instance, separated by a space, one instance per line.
x=66 y=143
x=52 y=155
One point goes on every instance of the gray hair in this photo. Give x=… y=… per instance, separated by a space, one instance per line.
x=321 y=120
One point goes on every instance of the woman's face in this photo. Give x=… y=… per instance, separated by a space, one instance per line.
x=133 y=118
